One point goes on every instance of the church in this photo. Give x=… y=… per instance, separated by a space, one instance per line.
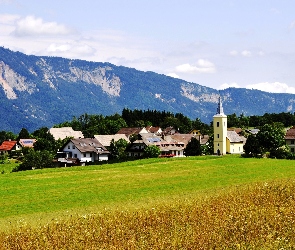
x=225 y=142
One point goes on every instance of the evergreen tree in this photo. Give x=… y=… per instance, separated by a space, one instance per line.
x=252 y=147
x=193 y=148
x=23 y=134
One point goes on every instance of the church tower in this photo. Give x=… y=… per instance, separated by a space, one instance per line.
x=220 y=130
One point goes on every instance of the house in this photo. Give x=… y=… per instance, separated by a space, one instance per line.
x=170 y=148
x=105 y=140
x=10 y=147
x=195 y=132
x=27 y=143
x=154 y=130
x=64 y=132
x=234 y=143
x=290 y=139
x=185 y=138
x=84 y=150
x=237 y=130
x=132 y=131
x=170 y=131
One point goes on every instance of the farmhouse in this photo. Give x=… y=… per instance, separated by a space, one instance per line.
x=83 y=150
x=132 y=131
x=168 y=148
x=290 y=139
x=10 y=147
x=27 y=143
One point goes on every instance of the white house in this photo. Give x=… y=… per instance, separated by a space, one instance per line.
x=85 y=150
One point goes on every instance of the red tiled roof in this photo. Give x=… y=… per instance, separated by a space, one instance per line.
x=290 y=134
x=7 y=145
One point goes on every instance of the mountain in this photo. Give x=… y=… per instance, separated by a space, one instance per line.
x=37 y=91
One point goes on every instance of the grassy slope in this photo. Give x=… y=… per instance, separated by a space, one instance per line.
x=38 y=194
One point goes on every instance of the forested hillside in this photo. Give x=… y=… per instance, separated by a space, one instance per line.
x=37 y=91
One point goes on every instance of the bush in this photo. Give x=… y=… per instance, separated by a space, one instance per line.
x=151 y=151
x=36 y=160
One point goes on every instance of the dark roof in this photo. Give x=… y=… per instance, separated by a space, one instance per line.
x=89 y=145
x=152 y=129
x=169 y=130
x=129 y=131
x=7 y=145
x=290 y=134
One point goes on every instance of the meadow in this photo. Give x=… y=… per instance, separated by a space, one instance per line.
x=206 y=202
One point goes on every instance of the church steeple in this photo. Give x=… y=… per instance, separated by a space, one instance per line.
x=220 y=130
x=220 y=108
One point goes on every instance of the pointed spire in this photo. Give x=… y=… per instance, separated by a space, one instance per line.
x=220 y=108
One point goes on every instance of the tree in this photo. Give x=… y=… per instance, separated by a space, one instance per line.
x=4 y=136
x=3 y=157
x=36 y=160
x=193 y=148
x=23 y=134
x=118 y=149
x=151 y=151
x=208 y=148
x=45 y=140
x=271 y=137
x=252 y=147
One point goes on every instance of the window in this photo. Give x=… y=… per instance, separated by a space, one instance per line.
x=84 y=154
x=292 y=141
x=90 y=154
x=73 y=147
x=217 y=135
x=292 y=150
x=75 y=155
x=217 y=124
x=69 y=147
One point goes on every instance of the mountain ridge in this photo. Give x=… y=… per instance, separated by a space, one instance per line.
x=38 y=91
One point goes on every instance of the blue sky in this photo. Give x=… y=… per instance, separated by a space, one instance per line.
x=219 y=44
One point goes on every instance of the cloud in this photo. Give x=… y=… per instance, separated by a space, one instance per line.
x=276 y=87
x=32 y=26
x=229 y=85
x=72 y=49
x=202 y=66
x=8 y=19
x=172 y=75
x=246 y=53
x=292 y=25
x=233 y=53
x=5 y=1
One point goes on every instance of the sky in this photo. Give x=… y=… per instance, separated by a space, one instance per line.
x=218 y=44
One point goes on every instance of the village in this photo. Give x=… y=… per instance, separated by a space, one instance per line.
x=78 y=150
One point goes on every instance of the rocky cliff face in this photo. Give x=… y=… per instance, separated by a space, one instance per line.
x=43 y=91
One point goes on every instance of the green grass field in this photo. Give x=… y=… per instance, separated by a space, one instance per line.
x=36 y=194
x=130 y=193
